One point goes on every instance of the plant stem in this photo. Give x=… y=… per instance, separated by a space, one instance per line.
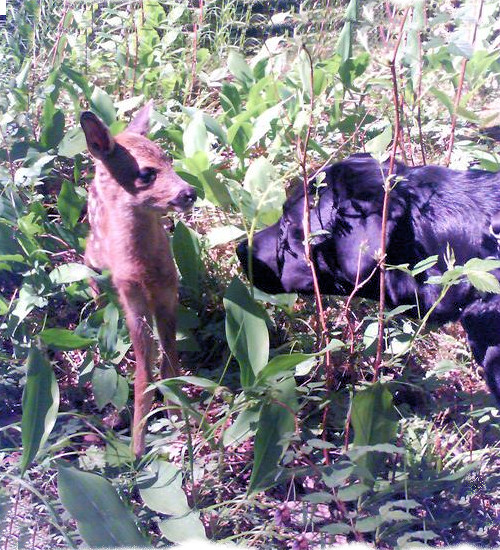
x=385 y=205
x=458 y=93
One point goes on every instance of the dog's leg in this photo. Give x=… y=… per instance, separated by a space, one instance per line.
x=139 y=322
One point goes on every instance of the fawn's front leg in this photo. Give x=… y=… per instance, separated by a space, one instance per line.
x=139 y=321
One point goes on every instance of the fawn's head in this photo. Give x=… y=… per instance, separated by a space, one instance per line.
x=132 y=170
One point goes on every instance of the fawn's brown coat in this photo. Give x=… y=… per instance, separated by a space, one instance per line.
x=134 y=186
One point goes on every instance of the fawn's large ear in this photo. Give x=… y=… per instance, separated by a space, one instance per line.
x=99 y=140
x=140 y=123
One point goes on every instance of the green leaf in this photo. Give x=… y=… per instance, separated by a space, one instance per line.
x=52 y=125
x=443 y=98
x=370 y=524
x=374 y=420
x=186 y=249
x=73 y=143
x=262 y=123
x=161 y=490
x=195 y=137
x=69 y=204
x=238 y=67
x=336 y=529
x=104 y=385
x=424 y=265
x=103 y=519
x=246 y=331
x=266 y=192
x=185 y=528
x=242 y=428
x=379 y=143
x=103 y=105
x=40 y=405
x=352 y=492
x=61 y=338
x=71 y=273
x=344 y=45
x=484 y=282
x=276 y=422
x=282 y=363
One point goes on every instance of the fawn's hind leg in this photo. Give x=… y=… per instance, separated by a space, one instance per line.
x=139 y=322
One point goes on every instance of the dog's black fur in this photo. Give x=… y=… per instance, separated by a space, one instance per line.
x=430 y=208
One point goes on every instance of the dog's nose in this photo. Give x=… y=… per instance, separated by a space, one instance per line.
x=185 y=199
x=242 y=253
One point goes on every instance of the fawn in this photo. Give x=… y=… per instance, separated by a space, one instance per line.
x=134 y=186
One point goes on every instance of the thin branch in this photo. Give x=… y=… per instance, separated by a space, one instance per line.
x=302 y=149
x=385 y=206
x=196 y=27
x=458 y=93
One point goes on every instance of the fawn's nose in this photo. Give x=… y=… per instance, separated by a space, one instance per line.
x=185 y=199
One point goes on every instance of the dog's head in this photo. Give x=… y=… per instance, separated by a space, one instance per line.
x=277 y=264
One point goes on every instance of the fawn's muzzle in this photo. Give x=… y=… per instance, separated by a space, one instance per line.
x=185 y=199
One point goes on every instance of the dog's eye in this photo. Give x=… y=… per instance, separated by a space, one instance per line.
x=147 y=176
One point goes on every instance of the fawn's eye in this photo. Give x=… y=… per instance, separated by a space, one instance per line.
x=147 y=175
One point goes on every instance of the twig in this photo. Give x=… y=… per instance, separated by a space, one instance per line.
x=458 y=93
x=385 y=206
x=419 y=95
x=302 y=149
x=196 y=27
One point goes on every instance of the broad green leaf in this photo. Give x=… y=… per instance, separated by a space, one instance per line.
x=161 y=490
x=335 y=475
x=443 y=98
x=352 y=492
x=107 y=335
x=102 y=103
x=266 y=191
x=52 y=125
x=184 y=528
x=61 y=338
x=276 y=423
x=304 y=67
x=186 y=249
x=195 y=137
x=336 y=529
x=242 y=428
x=484 y=282
x=69 y=204
x=424 y=265
x=223 y=234
x=374 y=420
x=120 y=398
x=282 y=363
x=104 y=385
x=262 y=123
x=73 y=143
x=344 y=45
x=370 y=524
x=40 y=405
x=379 y=143
x=238 y=67
x=103 y=519
x=29 y=298
x=246 y=331
x=71 y=273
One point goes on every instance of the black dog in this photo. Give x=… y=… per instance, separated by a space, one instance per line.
x=430 y=208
